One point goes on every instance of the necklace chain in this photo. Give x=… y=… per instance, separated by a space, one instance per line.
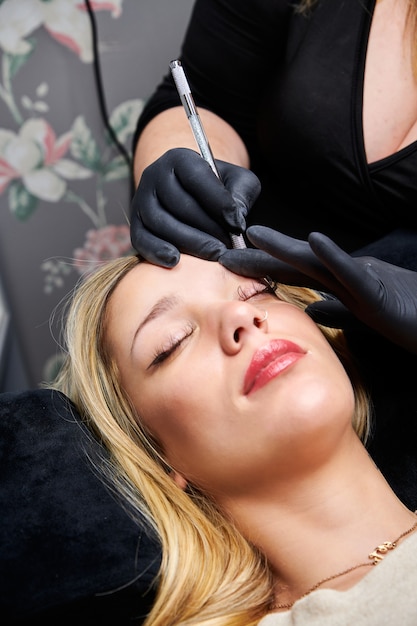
x=374 y=557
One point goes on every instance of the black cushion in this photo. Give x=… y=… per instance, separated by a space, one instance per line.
x=68 y=547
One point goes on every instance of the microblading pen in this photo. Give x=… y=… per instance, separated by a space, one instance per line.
x=187 y=100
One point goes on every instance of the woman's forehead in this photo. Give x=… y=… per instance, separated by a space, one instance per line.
x=188 y=271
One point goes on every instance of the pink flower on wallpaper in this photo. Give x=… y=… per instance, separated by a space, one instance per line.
x=115 y=6
x=104 y=244
x=65 y=20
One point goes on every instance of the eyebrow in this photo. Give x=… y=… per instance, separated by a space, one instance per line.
x=163 y=305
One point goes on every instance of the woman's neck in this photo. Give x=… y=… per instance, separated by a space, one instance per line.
x=319 y=525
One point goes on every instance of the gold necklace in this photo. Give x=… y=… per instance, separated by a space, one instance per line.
x=374 y=557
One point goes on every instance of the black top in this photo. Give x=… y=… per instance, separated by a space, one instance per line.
x=292 y=87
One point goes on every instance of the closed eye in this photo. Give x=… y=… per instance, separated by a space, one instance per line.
x=170 y=346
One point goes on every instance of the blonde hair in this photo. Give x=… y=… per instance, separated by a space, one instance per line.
x=210 y=574
x=305 y=6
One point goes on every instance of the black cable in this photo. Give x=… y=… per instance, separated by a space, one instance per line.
x=102 y=100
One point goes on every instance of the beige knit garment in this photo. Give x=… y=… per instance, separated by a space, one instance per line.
x=386 y=596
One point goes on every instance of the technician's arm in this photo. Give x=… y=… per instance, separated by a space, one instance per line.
x=229 y=54
x=171 y=129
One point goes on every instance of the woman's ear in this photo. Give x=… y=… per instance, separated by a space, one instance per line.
x=179 y=480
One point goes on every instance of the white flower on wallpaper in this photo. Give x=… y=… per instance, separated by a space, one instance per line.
x=35 y=156
x=34 y=164
x=17 y=21
x=65 y=20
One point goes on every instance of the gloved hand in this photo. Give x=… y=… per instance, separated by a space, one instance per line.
x=181 y=206
x=381 y=295
x=269 y=259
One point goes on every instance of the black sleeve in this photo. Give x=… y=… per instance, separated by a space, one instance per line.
x=230 y=52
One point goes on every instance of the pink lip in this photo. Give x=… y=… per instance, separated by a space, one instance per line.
x=269 y=362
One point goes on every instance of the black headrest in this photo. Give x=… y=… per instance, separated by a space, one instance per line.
x=68 y=545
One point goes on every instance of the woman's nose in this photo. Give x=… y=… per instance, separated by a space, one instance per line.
x=239 y=319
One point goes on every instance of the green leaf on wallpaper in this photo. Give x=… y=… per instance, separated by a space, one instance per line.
x=22 y=203
x=13 y=62
x=116 y=169
x=83 y=145
x=124 y=118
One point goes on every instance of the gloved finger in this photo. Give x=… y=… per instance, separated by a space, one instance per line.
x=153 y=226
x=295 y=252
x=348 y=270
x=161 y=193
x=369 y=287
x=333 y=314
x=202 y=184
x=257 y=264
x=201 y=245
x=190 y=240
x=160 y=252
x=242 y=183
x=373 y=280
x=171 y=224
x=152 y=248
x=380 y=294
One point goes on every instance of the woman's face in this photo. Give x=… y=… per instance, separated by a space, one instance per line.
x=233 y=402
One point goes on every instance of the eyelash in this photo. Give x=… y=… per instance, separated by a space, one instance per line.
x=163 y=353
x=244 y=293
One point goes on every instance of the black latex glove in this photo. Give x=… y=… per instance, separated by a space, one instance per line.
x=381 y=295
x=181 y=206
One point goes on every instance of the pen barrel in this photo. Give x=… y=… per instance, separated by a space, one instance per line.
x=187 y=101
x=202 y=143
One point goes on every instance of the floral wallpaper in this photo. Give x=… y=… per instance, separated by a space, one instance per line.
x=35 y=163
x=64 y=183
x=38 y=162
